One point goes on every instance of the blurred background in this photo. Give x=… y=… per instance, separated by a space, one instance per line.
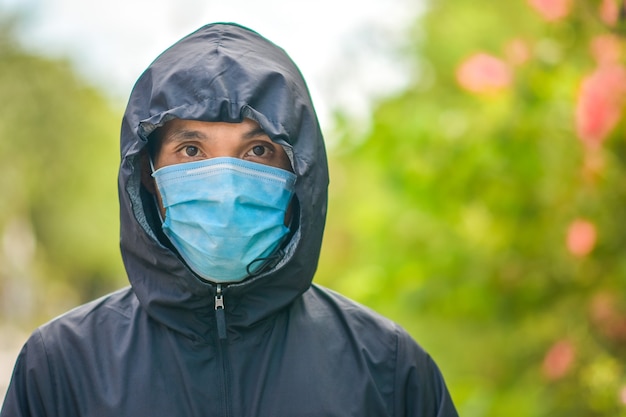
x=478 y=188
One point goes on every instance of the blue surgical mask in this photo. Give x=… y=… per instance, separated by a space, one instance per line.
x=225 y=216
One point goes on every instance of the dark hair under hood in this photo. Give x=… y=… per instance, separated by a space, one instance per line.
x=221 y=72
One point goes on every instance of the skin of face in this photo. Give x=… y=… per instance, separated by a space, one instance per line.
x=180 y=141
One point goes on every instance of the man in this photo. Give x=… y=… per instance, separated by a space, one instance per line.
x=223 y=191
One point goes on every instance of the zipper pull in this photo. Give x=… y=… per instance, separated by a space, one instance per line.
x=219 y=312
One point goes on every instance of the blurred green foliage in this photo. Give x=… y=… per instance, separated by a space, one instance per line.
x=59 y=227
x=480 y=220
x=453 y=213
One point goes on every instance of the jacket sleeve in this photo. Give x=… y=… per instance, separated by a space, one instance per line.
x=420 y=390
x=30 y=391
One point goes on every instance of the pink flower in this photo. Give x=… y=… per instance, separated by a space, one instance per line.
x=608 y=317
x=482 y=73
x=517 y=51
x=606 y=49
x=600 y=102
x=609 y=12
x=581 y=237
x=558 y=360
x=551 y=10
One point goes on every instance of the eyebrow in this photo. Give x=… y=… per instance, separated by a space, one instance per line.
x=182 y=135
x=186 y=134
x=253 y=133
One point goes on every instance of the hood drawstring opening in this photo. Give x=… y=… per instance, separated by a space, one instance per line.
x=266 y=262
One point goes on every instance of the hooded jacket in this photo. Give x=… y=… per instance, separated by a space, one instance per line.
x=172 y=344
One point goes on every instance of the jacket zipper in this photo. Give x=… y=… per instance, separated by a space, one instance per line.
x=223 y=348
x=219 y=313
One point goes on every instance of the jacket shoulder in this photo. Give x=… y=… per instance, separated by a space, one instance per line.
x=67 y=345
x=323 y=301
x=400 y=365
x=346 y=321
x=108 y=309
x=89 y=327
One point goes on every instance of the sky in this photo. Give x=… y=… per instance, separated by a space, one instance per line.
x=341 y=46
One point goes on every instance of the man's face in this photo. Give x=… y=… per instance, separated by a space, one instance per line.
x=181 y=141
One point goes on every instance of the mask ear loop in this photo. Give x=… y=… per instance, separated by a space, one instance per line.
x=151 y=164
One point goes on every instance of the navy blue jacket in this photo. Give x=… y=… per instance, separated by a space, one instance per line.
x=280 y=346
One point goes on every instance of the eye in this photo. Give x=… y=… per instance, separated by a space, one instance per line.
x=259 y=150
x=191 y=150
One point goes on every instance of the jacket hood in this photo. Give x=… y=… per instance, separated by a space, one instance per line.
x=222 y=72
